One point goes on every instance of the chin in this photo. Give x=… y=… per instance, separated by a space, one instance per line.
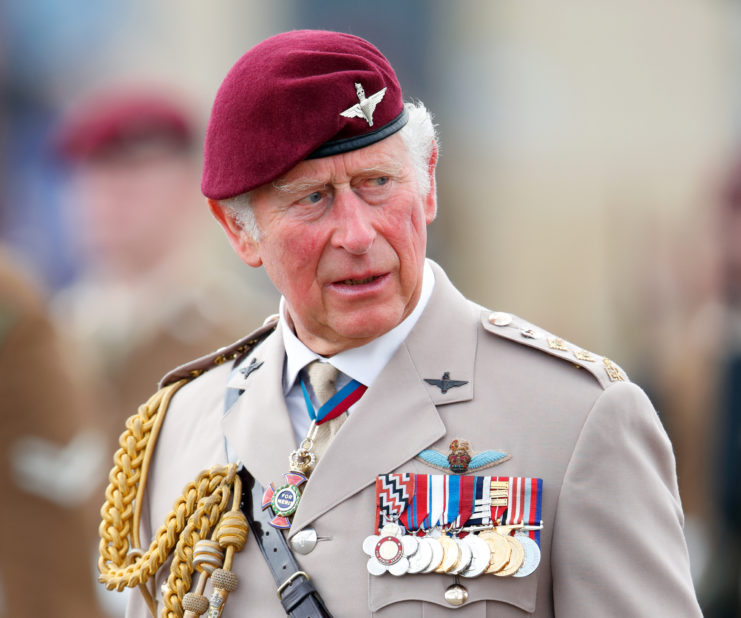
x=367 y=327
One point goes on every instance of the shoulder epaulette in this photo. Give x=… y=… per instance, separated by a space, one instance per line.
x=518 y=330
x=200 y=365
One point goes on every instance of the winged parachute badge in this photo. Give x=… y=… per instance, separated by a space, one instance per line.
x=445 y=383
x=366 y=106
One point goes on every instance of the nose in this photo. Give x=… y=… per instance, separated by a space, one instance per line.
x=354 y=231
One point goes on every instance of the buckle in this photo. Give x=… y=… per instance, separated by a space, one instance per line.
x=289 y=581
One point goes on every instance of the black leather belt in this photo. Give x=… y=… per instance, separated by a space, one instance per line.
x=296 y=592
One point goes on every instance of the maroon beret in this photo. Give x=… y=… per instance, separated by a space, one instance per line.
x=297 y=95
x=115 y=119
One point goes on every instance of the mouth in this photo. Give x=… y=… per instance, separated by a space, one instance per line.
x=360 y=285
x=362 y=281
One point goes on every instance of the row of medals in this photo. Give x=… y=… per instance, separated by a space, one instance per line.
x=492 y=551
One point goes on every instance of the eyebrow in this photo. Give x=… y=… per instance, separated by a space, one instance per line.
x=306 y=184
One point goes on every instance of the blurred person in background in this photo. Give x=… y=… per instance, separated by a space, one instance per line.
x=52 y=462
x=698 y=384
x=722 y=313
x=143 y=301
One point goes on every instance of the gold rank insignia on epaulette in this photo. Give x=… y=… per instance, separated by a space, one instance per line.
x=516 y=329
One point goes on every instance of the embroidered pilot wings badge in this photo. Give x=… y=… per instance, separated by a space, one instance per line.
x=459 y=460
x=366 y=106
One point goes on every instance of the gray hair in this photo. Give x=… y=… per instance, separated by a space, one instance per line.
x=419 y=136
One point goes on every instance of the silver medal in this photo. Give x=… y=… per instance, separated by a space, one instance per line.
x=481 y=556
x=420 y=560
x=466 y=555
x=532 y=556
x=437 y=555
x=389 y=551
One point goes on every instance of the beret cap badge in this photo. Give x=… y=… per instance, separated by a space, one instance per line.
x=366 y=106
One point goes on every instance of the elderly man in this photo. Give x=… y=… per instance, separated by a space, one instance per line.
x=397 y=449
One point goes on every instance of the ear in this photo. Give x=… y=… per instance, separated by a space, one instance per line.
x=430 y=200
x=246 y=247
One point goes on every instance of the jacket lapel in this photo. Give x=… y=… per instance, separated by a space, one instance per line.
x=398 y=416
x=257 y=426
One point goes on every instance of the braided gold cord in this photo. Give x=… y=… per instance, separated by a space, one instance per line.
x=199 y=524
x=122 y=563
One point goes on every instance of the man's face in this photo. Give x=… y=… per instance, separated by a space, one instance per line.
x=343 y=238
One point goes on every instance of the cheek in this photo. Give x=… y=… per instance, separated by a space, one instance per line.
x=295 y=257
x=408 y=235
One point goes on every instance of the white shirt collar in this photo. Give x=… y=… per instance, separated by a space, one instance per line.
x=363 y=363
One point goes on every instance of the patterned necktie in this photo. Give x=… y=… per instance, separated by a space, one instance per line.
x=322 y=377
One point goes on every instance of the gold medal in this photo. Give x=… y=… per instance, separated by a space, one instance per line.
x=500 y=550
x=515 y=560
x=451 y=554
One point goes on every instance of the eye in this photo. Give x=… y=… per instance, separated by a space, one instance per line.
x=381 y=180
x=312 y=198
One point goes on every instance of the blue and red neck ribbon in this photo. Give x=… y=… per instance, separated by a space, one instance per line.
x=335 y=405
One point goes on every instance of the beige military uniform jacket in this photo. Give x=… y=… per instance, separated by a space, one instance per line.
x=612 y=543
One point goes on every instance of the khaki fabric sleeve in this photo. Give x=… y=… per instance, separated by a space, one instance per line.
x=619 y=547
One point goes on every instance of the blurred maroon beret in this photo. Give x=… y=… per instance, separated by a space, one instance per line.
x=297 y=95
x=113 y=121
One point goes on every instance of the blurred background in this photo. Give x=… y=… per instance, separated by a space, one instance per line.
x=589 y=181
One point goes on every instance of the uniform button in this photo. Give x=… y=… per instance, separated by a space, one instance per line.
x=304 y=541
x=456 y=595
x=499 y=318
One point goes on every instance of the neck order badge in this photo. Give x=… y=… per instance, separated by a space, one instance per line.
x=284 y=500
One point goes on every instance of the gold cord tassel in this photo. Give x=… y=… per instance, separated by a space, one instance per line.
x=195 y=514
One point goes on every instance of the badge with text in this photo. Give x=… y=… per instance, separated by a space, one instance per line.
x=283 y=500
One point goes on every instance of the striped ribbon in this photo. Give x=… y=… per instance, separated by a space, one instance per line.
x=458 y=501
x=525 y=504
x=335 y=405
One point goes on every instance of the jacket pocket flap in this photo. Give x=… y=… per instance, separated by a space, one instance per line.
x=386 y=589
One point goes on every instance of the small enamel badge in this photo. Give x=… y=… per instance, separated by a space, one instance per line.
x=366 y=106
x=284 y=500
x=460 y=460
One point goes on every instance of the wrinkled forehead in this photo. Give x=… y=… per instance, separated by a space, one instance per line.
x=389 y=157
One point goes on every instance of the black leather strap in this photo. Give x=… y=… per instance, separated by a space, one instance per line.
x=296 y=592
